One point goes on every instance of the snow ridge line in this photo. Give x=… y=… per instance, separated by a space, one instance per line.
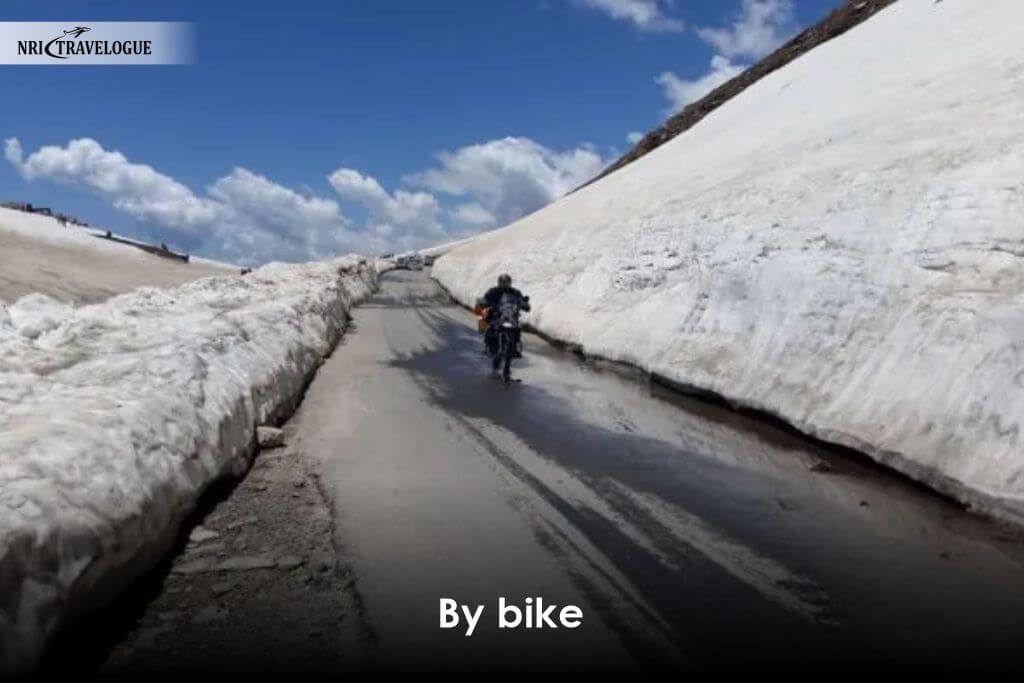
x=839 y=21
x=116 y=417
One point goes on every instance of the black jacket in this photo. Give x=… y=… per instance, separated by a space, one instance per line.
x=493 y=297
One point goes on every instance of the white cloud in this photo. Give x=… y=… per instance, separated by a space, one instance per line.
x=244 y=216
x=635 y=136
x=248 y=218
x=680 y=92
x=406 y=219
x=501 y=180
x=12 y=151
x=254 y=194
x=136 y=189
x=510 y=177
x=646 y=15
x=760 y=27
x=272 y=221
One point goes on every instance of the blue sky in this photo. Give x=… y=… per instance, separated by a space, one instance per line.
x=311 y=128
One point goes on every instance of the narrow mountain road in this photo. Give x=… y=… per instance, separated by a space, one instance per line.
x=687 y=535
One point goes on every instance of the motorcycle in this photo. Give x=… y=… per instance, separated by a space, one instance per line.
x=504 y=331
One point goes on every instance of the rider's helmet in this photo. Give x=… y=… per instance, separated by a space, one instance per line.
x=504 y=280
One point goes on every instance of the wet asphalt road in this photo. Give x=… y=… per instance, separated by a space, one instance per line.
x=687 y=534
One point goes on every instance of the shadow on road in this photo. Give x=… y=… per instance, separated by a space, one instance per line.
x=691 y=593
x=816 y=524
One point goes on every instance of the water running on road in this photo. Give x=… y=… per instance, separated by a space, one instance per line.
x=686 y=533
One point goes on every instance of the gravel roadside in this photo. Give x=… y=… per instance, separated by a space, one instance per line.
x=253 y=589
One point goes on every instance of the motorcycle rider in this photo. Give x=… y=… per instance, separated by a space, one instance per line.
x=491 y=300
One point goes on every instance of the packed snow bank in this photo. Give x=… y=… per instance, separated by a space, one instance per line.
x=115 y=417
x=841 y=245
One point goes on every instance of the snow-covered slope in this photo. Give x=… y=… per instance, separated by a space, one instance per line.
x=115 y=417
x=439 y=249
x=70 y=263
x=842 y=245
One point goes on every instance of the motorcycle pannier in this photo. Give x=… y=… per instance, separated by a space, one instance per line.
x=481 y=324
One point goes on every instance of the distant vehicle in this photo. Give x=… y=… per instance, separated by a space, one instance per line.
x=415 y=262
x=388 y=256
x=429 y=260
x=402 y=262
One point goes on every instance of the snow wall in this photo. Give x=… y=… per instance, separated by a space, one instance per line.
x=841 y=245
x=115 y=417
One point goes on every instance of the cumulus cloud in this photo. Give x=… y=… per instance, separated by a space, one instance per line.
x=634 y=137
x=646 y=15
x=248 y=218
x=405 y=218
x=759 y=27
x=243 y=216
x=12 y=151
x=270 y=220
x=253 y=194
x=499 y=181
x=509 y=177
x=136 y=189
x=680 y=92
